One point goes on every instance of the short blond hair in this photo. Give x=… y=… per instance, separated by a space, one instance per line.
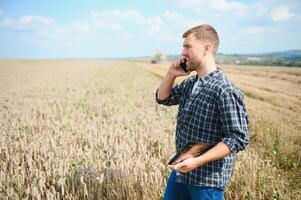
x=206 y=33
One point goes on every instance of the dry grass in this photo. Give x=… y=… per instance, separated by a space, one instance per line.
x=92 y=130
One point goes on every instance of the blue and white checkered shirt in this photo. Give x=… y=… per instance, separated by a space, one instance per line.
x=213 y=112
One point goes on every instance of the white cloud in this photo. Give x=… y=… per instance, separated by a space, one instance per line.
x=259 y=9
x=27 y=22
x=281 y=13
x=220 y=6
x=238 y=5
x=7 y=22
x=153 y=29
x=39 y=30
x=253 y=30
x=172 y=15
x=116 y=26
x=98 y=25
x=108 y=20
x=192 y=22
x=262 y=11
x=115 y=18
x=154 y=25
x=81 y=26
x=118 y=14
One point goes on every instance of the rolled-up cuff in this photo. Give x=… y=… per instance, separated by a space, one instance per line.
x=158 y=100
x=230 y=142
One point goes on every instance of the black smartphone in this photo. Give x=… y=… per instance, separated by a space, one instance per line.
x=202 y=149
x=183 y=65
x=174 y=158
x=184 y=150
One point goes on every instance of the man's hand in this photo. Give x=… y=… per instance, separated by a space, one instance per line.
x=187 y=161
x=175 y=70
x=186 y=166
x=166 y=86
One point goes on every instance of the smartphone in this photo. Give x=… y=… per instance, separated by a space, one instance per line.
x=202 y=149
x=184 y=150
x=183 y=65
x=174 y=158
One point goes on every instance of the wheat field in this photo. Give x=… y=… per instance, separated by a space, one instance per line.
x=74 y=129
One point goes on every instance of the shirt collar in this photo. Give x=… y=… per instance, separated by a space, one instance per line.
x=204 y=80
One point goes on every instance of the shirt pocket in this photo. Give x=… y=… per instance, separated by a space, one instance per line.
x=194 y=117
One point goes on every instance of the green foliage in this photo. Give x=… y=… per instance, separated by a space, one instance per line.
x=28 y=129
x=19 y=190
x=289 y=59
x=73 y=164
x=84 y=105
x=81 y=141
x=280 y=159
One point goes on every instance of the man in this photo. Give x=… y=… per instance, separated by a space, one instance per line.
x=211 y=114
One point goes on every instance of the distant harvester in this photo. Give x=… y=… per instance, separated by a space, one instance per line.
x=159 y=58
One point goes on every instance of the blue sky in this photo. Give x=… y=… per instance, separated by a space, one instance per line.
x=104 y=29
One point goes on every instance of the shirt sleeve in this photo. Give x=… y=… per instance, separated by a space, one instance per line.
x=234 y=120
x=174 y=97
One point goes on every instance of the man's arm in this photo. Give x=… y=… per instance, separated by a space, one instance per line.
x=217 y=152
x=166 y=94
x=166 y=86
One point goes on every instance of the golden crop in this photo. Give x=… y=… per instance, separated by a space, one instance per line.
x=92 y=130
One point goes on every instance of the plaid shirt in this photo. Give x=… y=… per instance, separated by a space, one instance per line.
x=214 y=112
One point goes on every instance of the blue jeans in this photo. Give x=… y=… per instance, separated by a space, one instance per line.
x=184 y=191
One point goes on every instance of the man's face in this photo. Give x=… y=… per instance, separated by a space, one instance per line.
x=193 y=51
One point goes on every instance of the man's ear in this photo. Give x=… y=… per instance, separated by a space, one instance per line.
x=208 y=48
